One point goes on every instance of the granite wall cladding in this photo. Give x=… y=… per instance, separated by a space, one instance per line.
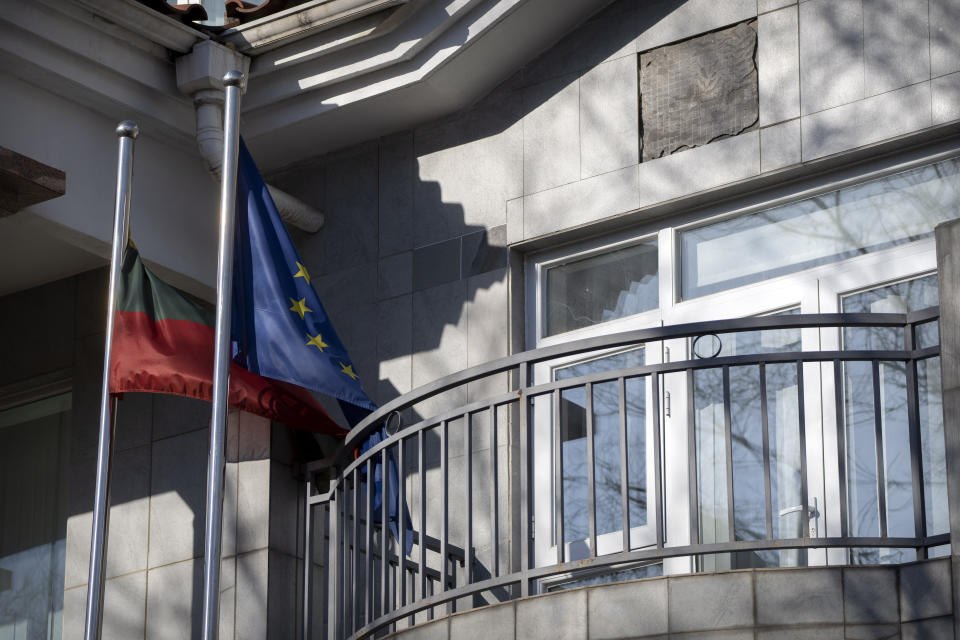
x=699 y=90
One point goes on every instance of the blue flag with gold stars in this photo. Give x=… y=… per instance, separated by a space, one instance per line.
x=279 y=328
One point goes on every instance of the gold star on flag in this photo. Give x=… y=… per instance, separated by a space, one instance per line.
x=348 y=369
x=316 y=341
x=300 y=306
x=302 y=273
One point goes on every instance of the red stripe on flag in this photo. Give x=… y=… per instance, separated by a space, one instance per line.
x=176 y=357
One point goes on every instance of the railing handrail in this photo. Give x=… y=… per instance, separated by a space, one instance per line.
x=359 y=434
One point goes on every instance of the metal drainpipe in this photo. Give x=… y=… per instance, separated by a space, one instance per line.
x=209 y=107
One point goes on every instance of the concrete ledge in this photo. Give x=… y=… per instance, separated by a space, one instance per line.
x=908 y=601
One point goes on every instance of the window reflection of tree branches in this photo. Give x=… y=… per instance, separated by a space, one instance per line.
x=860 y=415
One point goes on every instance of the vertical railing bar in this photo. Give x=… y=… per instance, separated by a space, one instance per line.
x=422 y=561
x=557 y=476
x=802 y=432
x=765 y=426
x=624 y=457
x=692 y=460
x=525 y=538
x=494 y=494
x=728 y=442
x=916 y=449
x=841 y=447
x=401 y=525
x=591 y=479
x=657 y=463
x=468 y=497
x=338 y=610
x=306 y=621
x=878 y=441
x=384 y=531
x=369 y=558
x=355 y=579
x=444 y=509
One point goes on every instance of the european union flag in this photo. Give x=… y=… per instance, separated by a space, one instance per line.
x=279 y=327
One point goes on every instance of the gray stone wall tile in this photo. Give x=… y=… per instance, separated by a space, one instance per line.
x=253 y=441
x=799 y=597
x=872 y=632
x=771 y=5
x=285 y=502
x=818 y=632
x=228 y=537
x=610 y=35
x=628 y=610
x=253 y=505
x=870 y=595
x=666 y=21
x=945 y=98
x=92 y=290
x=937 y=629
x=134 y=420
x=47 y=343
x=396 y=179
x=731 y=634
x=514 y=220
x=609 y=120
x=710 y=602
x=177 y=507
x=394 y=346
x=436 y=264
x=551 y=134
x=562 y=615
x=228 y=597
x=831 y=53
x=350 y=235
x=440 y=338
x=282 y=594
x=174 y=415
x=488 y=329
x=487 y=623
x=74 y=612
x=582 y=202
x=944 y=37
x=780 y=145
x=125 y=617
x=925 y=590
x=866 y=121
x=463 y=187
x=483 y=251
x=680 y=174
x=251 y=595
x=896 y=37
x=395 y=275
x=778 y=65
x=174 y=600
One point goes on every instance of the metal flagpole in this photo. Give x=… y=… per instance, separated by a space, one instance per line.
x=127 y=132
x=233 y=83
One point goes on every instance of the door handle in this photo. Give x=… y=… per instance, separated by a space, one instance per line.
x=812 y=515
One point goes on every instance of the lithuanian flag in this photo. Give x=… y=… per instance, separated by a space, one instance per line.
x=164 y=342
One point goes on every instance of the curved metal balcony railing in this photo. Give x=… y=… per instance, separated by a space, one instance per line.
x=471 y=483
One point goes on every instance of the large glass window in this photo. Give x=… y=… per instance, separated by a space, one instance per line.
x=834 y=226
x=33 y=444
x=616 y=284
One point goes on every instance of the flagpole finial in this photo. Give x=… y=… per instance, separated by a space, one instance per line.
x=128 y=129
x=234 y=78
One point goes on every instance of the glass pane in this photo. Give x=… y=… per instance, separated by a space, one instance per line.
x=746 y=433
x=783 y=424
x=711 y=456
x=861 y=450
x=606 y=425
x=834 y=226
x=901 y=297
x=932 y=447
x=600 y=288
x=33 y=518
x=573 y=438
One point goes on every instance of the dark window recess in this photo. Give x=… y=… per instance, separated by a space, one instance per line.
x=699 y=90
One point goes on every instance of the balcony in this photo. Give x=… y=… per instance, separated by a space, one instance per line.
x=782 y=454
